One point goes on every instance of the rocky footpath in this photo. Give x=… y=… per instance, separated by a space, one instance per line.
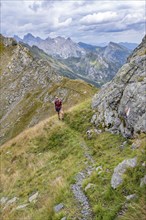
x=81 y=198
x=119 y=106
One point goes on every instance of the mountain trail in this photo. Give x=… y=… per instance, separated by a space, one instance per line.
x=81 y=198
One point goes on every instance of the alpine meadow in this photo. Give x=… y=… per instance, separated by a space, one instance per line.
x=73 y=116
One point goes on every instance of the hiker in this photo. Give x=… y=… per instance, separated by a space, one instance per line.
x=58 y=108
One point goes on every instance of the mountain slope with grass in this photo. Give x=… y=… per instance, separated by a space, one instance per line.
x=29 y=85
x=59 y=170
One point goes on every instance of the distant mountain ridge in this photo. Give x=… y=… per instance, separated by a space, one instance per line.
x=100 y=63
x=87 y=46
x=58 y=47
x=130 y=46
x=95 y=63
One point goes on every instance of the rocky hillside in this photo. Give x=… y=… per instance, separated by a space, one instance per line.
x=68 y=170
x=120 y=104
x=28 y=87
x=98 y=64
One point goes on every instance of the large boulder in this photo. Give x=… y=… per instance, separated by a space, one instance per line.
x=117 y=177
x=119 y=106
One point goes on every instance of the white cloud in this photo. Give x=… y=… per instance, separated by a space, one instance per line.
x=97 y=18
x=80 y=19
x=57 y=24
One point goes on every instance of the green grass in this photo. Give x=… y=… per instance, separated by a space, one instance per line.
x=107 y=153
x=105 y=149
x=32 y=107
x=47 y=158
x=1 y=47
x=47 y=164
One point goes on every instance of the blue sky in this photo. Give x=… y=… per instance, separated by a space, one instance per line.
x=91 y=21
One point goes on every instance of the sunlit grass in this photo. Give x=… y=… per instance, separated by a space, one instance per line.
x=47 y=157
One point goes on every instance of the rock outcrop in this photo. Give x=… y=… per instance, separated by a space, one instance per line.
x=117 y=178
x=119 y=106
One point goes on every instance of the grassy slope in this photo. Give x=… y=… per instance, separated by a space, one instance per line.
x=32 y=105
x=47 y=157
x=36 y=104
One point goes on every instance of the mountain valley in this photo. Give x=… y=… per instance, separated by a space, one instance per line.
x=98 y=64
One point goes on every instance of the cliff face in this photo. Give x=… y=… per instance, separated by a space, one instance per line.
x=119 y=106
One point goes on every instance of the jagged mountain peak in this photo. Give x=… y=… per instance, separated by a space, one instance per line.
x=113 y=45
x=29 y=35
x=17 y=38
x=100 y=63
x=48 y=38
x=69 y=39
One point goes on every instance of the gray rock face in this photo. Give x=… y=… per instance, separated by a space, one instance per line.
x=22 y=206
x=64 y=218
x=132 y=196
x=119 y=105
x=33 y=197
x=9 y=202
x=9 y=41
x=120 y=170
x=3 y=200
x=58 y=207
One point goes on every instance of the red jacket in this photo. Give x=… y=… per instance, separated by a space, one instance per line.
x=58 y=103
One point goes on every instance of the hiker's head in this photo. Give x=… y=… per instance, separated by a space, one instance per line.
x=56 y=98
